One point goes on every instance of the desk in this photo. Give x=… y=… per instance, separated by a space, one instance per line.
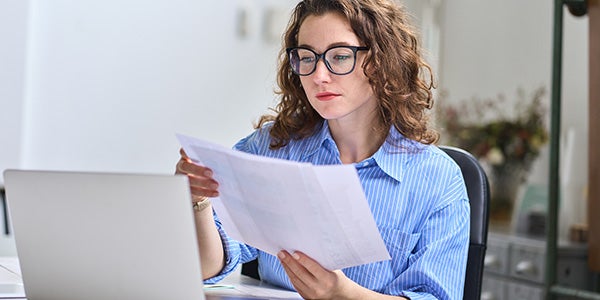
x=235 y=287
x=11 y=284
x=238 y=286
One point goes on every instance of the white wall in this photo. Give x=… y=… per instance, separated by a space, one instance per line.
x=109 y=83
x=13 y=32
x=493 y=47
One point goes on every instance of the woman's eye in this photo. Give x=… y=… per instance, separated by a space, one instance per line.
x=341 y=58
x=307 y=59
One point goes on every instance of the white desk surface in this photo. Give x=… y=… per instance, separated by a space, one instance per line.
x=11 y=284
x=235 y=286
x=244 y=286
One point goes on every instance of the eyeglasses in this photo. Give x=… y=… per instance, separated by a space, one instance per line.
x=340 y=60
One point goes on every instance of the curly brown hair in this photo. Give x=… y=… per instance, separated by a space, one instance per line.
x=401 y=79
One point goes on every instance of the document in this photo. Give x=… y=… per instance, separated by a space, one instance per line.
x=242 y=286
x=274 y=204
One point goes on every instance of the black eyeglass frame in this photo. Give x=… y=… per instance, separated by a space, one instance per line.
x=354 y=49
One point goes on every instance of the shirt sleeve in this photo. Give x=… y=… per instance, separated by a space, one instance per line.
x=437 y=266
x=235 y=253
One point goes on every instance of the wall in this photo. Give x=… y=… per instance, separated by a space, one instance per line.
x=13 y=29
x=13 y=33
x=109 y=83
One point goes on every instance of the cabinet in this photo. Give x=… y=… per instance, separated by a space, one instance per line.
x=514 y=267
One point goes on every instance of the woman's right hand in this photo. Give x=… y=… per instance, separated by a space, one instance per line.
x=202 y=183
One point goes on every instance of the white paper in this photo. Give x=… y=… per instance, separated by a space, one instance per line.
x=274 y=204
x=248 y=287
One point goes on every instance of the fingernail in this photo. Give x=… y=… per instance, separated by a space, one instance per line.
x=207 y=173
x=281 y=255
x=295 y=256
x=214 y=186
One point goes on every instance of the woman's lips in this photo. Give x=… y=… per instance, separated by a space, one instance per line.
x=325 y=96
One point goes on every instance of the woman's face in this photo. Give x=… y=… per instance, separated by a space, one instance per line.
x=335 y=97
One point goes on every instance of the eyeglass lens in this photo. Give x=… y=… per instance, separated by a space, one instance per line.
x=339 y=60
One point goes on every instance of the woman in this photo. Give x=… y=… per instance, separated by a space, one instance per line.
x=352 y=92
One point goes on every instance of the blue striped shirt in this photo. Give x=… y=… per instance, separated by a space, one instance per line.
x=418 y=199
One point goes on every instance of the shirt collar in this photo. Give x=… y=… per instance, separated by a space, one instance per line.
x=395 y=154
x=392 y=157
x=321 y=138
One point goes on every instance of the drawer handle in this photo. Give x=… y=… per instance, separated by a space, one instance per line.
x=491 y=261
x=485 y=295
x=526 y=268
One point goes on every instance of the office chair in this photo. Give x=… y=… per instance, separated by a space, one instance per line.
x=479 y=197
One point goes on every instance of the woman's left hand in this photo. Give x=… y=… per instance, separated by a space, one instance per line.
x=310 y=279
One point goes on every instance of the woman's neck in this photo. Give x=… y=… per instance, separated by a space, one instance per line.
x=356 y=141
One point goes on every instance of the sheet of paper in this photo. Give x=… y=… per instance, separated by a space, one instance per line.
x=275 y=204
x=243 y=286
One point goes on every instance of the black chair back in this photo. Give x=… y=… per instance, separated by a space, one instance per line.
x=479 y=197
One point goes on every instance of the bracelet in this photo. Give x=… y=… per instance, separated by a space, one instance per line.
x=201 y=205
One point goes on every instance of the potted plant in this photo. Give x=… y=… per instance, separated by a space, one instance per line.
x=506 y=139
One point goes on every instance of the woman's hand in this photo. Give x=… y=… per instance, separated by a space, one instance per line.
x=310 y=279
x=202 y=184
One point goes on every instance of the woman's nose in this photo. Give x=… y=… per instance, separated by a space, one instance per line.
x=321 y=73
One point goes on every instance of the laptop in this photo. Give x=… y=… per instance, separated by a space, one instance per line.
x=98 y=236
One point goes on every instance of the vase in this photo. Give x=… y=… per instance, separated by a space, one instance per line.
x=506 y=181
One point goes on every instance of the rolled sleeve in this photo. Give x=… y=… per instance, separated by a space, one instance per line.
x=235 y=253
